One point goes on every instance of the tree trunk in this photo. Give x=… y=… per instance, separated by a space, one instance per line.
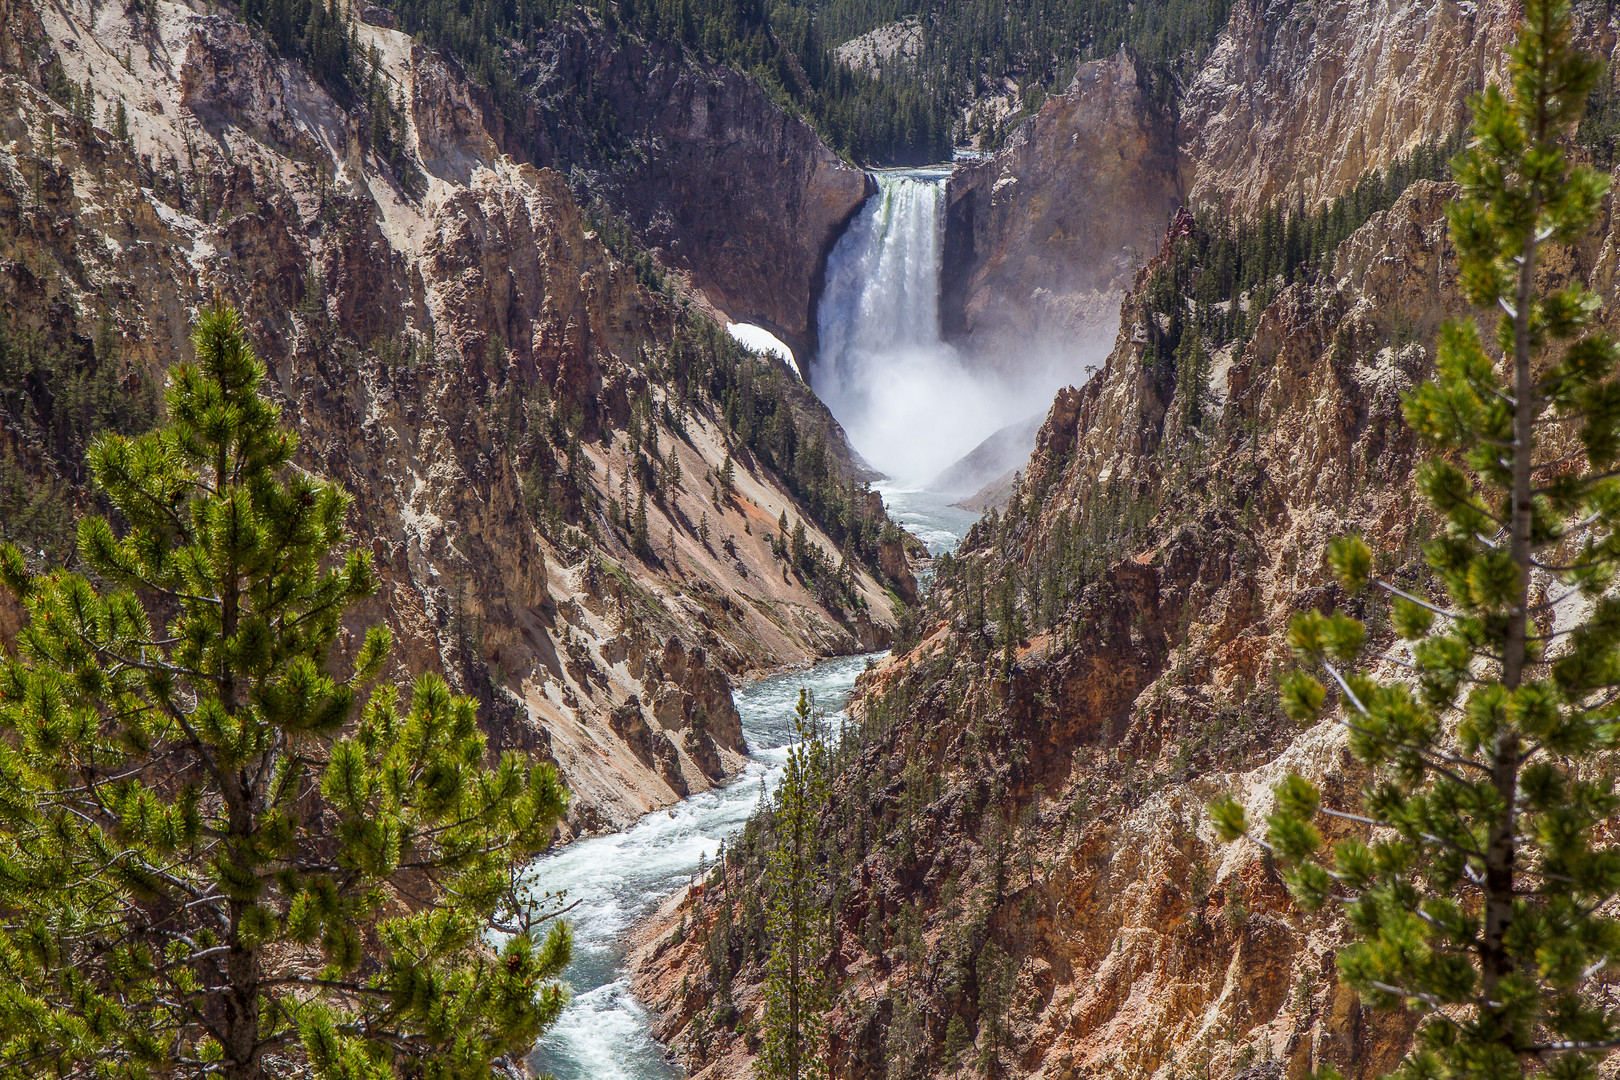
x=241 y=1001
x=795 y=943
x=241 y=990
x=1495 y=963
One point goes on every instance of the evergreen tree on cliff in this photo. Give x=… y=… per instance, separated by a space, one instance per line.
x=1483 y=895
x=220 y=854
x=795 y=1002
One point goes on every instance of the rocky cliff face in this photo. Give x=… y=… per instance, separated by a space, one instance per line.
x=1042 y=239
x=727 y=188
x=457 y=347
x=1299 y=100
x=1023 y=876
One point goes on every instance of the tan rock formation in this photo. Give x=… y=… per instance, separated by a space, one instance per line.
x=892 y=43
x=1301 y=100
x=1042 y=239
x=433 y=336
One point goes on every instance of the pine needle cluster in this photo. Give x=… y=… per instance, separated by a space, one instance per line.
x=219 y=854
x=1477 y=881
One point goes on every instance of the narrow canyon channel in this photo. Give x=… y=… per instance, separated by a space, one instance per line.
x=621 y=878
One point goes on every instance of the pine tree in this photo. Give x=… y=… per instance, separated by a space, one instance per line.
x=1192 y=377
x=209 y=862
x=638 y=526
x=672 y=472
x=795 y=994
x=60 y=88
x=801 y=545
x=1483 y=899
x=728 y=478
x=1010 y=625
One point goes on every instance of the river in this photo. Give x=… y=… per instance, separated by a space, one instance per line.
x=621 y=878
x=929 y=517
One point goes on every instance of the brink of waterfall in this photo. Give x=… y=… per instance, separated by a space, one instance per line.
x=910 y=402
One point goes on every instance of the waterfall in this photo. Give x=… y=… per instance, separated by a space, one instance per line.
x=906 y=399
x=882 y=291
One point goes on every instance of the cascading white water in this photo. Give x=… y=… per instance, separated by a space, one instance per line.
x=882 y=293
x=904 y=396
x=620 y=878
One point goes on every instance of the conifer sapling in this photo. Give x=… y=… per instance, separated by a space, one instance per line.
x=1474 y=880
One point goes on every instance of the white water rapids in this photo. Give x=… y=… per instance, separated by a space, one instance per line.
x=623 y=877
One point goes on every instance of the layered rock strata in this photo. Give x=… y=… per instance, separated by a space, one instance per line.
x=1022 y=871
x=456 y=347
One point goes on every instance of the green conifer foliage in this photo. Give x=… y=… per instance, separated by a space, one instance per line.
x=638 y=527
x=1482 y=898
x=795 y=991
x=801 y=546
x=219 y=852
x=728 y=478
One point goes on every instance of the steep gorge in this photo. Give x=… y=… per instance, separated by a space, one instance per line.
x=1022 y=877
x=455 y=344
x=498 y=368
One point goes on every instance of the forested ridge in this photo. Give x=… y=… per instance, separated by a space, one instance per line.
x=970 y=48
x=770 y=421
x=913 y=114
x=917 y=112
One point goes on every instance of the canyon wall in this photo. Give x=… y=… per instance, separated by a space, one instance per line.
x=455 y=345
x=1299 y=100
x=1041 y=239
x=739 y=196
x=1023 y=877
x=1296 y=103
